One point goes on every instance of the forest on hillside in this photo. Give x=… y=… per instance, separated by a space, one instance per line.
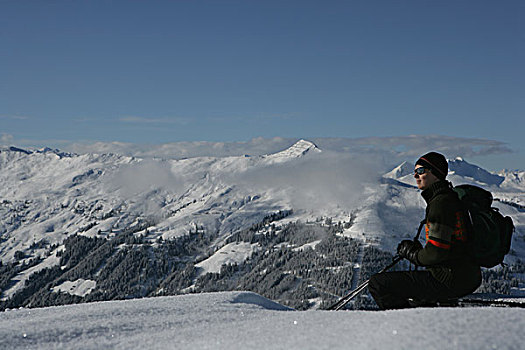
x=283 y=268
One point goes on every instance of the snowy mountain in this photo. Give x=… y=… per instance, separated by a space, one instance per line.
x=93 y=227
x=401 y=170
x=299 y=149
x=513 y=179
x=465 y=169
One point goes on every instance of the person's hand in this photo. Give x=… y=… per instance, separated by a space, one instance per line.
x=408 y=249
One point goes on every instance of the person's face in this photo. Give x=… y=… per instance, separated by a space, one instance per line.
x=424 y=180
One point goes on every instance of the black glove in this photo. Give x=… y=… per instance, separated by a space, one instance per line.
x=408 y=250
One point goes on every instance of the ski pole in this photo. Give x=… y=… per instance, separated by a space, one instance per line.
x=352 y=294
x=343 y=301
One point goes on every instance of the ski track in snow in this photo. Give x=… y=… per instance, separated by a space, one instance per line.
x=357 y=267
x=244 y=320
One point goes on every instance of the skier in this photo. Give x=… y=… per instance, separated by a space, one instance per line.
x=449 y=272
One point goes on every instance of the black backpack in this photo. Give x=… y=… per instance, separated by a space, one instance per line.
x=490 y=233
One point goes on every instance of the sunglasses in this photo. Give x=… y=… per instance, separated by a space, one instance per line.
x=420 y=171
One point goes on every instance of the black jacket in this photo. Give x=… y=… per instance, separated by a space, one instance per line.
x=444 y=253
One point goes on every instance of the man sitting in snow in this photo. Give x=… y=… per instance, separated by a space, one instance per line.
x=449 y=272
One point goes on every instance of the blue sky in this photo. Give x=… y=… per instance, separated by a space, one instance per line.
x=170 y=71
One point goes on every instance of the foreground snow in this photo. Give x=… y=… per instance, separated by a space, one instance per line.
x=244 y=320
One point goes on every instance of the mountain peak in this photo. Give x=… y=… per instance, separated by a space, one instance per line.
x=298 y=149
x=401 y=170
x=461 y=167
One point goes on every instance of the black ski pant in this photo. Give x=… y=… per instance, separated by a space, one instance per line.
x=392 y=290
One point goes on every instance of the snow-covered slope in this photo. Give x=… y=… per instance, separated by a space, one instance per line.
x=241 y=320
x=401 y=170
x=47 y=196
x=233 y=253
x=462 y=168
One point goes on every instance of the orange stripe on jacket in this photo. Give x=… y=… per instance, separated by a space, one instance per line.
x=439 y=244
x=436 y=243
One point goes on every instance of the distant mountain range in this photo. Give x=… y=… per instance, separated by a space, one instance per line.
x=91 y=227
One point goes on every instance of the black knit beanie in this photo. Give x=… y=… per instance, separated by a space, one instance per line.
x=435 y=162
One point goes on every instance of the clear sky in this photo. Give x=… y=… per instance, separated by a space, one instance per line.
x=169 y=71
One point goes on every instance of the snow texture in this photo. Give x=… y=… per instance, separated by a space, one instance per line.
x=244 y=320
x=80 y=287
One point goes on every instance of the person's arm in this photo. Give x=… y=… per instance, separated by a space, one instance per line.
x=439 y=232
